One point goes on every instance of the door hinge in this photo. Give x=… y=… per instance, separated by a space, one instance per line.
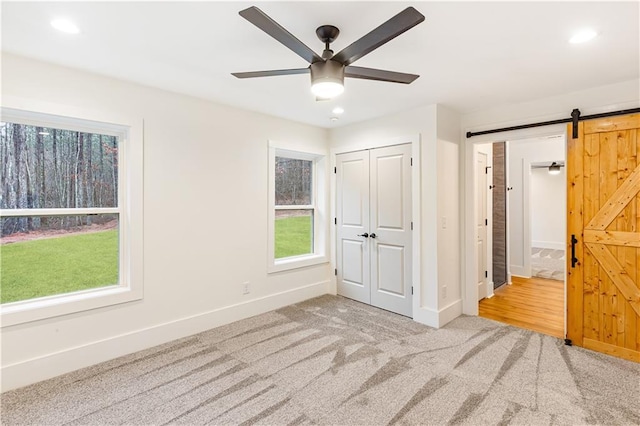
x=486 y=274
x=335 y=220
x=486 y=222
x=411 y=289
x=335 y=271
x=412 y=161
x=335 y=170
x=412 y=226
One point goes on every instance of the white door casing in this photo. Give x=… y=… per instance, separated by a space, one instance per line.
x=374 y=199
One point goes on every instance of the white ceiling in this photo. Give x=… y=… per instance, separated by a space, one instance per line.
x=470 y=55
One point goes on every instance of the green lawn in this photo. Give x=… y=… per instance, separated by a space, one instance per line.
x=58 y=265
x=293 y=236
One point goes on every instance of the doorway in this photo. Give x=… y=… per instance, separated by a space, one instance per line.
x=528 y=229
x=373 y=227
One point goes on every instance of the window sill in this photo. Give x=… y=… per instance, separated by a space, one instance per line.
x=297 y=262
x=46 y=307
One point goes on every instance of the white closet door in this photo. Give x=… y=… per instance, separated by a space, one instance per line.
x=374 y=246
x=352 y=207
x=390 y=231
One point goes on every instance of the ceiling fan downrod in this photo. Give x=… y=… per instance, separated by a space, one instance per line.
x=327 y=34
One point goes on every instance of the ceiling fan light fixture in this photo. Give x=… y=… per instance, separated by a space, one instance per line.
x=327 y=79
x=327 y=89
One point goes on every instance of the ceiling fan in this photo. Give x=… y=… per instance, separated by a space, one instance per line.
x=554 y=167
x=328 y=70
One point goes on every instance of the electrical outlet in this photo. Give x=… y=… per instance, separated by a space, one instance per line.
x=444 y=291
x=246 y=288
x=444 y=222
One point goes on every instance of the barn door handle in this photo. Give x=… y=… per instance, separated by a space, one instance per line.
x=373 y=235
x=574 y=259
x=363 y=235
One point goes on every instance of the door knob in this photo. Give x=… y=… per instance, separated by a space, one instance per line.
x=363 y=235
x=373 y=235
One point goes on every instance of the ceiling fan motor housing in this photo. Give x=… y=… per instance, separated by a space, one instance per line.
x=327 y=71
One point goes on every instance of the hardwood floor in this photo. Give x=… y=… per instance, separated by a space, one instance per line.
x=533 y=303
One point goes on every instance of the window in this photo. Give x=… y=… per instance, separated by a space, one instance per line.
x=297 y=209
x=64 y=216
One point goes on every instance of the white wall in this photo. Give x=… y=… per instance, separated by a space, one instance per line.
x=548 y=204
x=520 y=155
x=612 y=97
x=448 y=154
x=205 y=223
x=439 y=129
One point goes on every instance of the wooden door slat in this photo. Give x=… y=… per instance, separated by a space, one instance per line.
x=610 y=124
x=575 y=224
x=591 y=205
x=617 y=274
x=617 y=202
x=614 y=238
x=606 y=348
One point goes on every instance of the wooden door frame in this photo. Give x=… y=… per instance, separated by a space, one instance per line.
x=416 y=202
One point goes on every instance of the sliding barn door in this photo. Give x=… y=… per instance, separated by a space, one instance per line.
x=603 y=293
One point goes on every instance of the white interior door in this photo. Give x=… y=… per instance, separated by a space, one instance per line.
x=374 y=246
x=352 y=208
x=481 y=223
x=390 y=235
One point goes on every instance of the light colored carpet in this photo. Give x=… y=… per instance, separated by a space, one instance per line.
x=547 y=263
x=332 y=361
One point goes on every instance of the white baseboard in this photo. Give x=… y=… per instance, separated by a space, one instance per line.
x=553 y=245
x=45 y=367
x=438 y=318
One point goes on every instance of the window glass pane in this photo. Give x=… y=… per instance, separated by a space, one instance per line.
x=293 y=181
x=43 y=167
x=293 y=233
x=59 y=254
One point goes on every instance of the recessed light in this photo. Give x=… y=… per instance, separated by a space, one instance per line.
x=583 y=36
x=65 y=25
x=333 y=119
x=338 y=110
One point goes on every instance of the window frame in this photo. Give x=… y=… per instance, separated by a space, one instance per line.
x=129 y=211
x=318 y=206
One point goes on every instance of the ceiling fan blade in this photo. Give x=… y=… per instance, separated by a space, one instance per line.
x=275 y=30
x=252 y=74
x=380 y=75
x=391 y=29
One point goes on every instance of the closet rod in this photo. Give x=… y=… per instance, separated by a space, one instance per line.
x=575 y=117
